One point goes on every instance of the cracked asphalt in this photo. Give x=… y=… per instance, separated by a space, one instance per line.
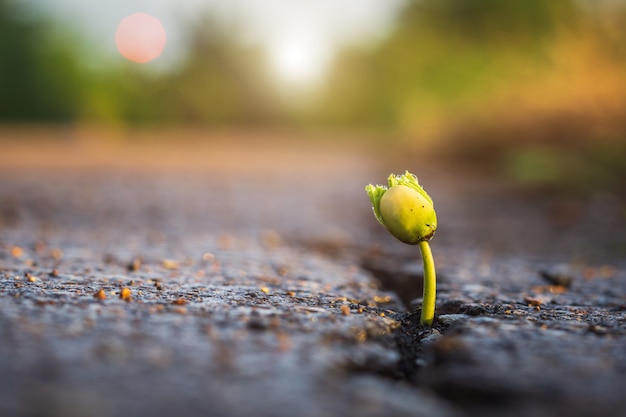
x=236 y=274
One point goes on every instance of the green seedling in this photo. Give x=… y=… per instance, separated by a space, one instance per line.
x=408 y=213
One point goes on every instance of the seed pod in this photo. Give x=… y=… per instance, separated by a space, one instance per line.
x=404 y=208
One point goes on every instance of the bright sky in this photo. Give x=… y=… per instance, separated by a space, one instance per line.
x=300 y=35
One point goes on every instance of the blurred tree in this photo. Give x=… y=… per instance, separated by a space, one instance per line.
x=446 y=59
x=223 y=82
x=536 y=85
x=39 y=78
x=463 y=54
x=42 y=78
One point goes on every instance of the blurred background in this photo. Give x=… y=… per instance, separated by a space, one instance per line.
x=530 y=93
x=536 y=90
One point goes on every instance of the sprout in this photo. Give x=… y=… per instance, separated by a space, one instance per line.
x=407 y=212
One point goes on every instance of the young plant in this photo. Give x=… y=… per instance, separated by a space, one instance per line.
x=408 y=213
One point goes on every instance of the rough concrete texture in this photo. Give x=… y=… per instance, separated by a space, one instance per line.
x=234 y=279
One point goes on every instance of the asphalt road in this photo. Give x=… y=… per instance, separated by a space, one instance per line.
x=233 y=275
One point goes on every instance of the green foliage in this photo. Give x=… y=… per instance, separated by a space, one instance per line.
x=443 y=55
x=588 y=168
x=221 y=83
x=39 y=77
x=44 y=78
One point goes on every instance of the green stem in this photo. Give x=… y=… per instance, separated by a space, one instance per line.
x=430 y=285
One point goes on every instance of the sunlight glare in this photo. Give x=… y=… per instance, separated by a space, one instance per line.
x=140 y=38
x=298 y=61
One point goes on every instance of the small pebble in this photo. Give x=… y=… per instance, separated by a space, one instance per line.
x=100 y=294
x=558 y=275
x=134 y=265
x=125 y=294
x=169 y=264
x=382 y=299
x=17 y=252
x=532 y=301
x=345 y=309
